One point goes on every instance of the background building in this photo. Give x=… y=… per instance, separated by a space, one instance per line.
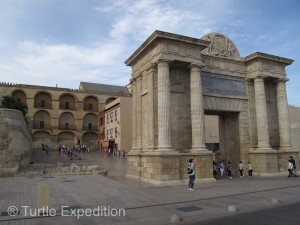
x=118 y=124
x=62 y=115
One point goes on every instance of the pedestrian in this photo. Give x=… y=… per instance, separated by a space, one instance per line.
x=123 y=153
x=229 y=170
x=47 y=149
x=250 y=169
x=290 y=168
x=221 y=168
x=294 y=165
x=191 y=173
x=215 y=169
x=241 y=168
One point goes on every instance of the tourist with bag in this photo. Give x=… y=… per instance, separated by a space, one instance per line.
x=191 y=173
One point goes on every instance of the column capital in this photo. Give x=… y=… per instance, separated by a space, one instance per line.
x=163 y=62
x=132 y=80
x=282 y=80
x=259 y=77
x=136 y=74
x=139 y=78
x=152 y=67
x=196 y=65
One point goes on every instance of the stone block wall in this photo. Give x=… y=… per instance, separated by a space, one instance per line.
x=15 y=142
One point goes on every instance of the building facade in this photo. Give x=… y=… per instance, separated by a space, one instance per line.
x=61 y=115
x=177 y=80
x=118 y=125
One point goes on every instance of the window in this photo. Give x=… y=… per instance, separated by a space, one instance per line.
x=67 y=105
x=107 y=118
x=90 y=106
x=116 y=117
x=111 y=132
x=43 y=103
x=116 y=132
x=42 y=124
x=111 y=116
x=107 y=134
x=101 y=121
x=67 y=126
x=90 y=126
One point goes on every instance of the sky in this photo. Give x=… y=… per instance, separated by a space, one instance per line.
x=64 y=42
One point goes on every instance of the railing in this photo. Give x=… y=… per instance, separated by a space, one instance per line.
x=62 y=106
x=37 y=125
x=66 y=127
x=91 y=109
x=90 y=128
x=43 y=106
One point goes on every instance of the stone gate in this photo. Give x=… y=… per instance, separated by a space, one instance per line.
x=176 y=80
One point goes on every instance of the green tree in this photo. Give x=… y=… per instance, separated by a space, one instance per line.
x=10 y=102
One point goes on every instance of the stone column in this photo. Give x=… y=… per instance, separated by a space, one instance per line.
x=150 y=98
x=197 y=110
x=163 y=102
x=261 y=114
x=138 y=114
x=133 y=114
x=283 y=115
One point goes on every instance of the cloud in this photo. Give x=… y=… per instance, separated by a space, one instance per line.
x=68 y=64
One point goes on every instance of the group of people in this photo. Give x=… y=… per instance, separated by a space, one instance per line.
x=73 y=151
x=219 y=169
x=115 y=153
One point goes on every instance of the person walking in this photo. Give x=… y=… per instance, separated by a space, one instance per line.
x=294 y=165
x=221 y=168
x=229 y=170
x=191 y=173
x=290 y=168
x=215 y=169
x=250 y=169
x=241 y=168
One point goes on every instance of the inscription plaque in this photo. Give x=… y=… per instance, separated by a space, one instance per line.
x=222 y=84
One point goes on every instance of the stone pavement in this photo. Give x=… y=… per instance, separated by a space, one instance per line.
x=271 y=200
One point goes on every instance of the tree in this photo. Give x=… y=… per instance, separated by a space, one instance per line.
x=10 y=102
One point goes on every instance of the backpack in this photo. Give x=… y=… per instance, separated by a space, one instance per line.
x=189 y=169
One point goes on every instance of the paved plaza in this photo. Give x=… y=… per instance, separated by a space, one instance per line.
x=260 y=200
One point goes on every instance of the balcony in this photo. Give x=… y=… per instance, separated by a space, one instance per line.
x=90 y=107
x=42 y=106
x=66 y=107
x=40 y=125
x=66 y=127
x=90 y=128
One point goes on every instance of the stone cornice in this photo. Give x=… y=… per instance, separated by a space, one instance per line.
x=168 y=36
x=262 y=56
x=48 y=88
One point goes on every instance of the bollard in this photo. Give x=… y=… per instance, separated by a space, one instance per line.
x=43 y=197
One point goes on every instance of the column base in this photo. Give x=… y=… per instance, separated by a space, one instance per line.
x=134 y=152
x=288 y=148
x=262 y=150
x=264 y=160
x=165 y=149
x=151 y=148
x=199 y=150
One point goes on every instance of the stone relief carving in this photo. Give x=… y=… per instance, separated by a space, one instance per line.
x=220 y=45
